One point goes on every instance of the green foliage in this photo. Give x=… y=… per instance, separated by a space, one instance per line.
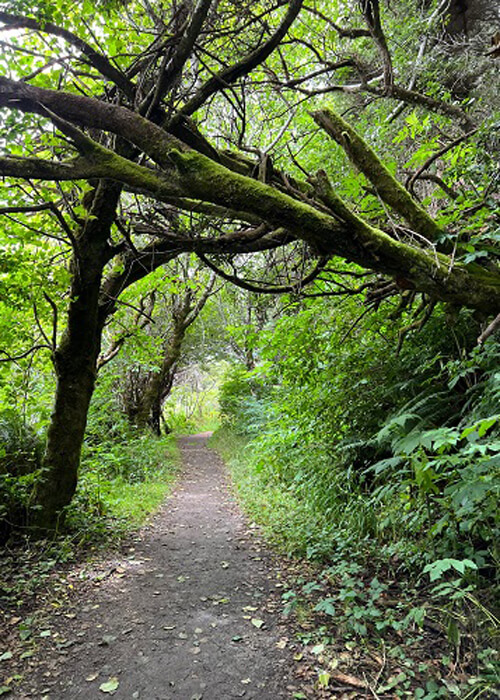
x=121 y=483
x=364 y=457
x=241 y=400
x=20 y=459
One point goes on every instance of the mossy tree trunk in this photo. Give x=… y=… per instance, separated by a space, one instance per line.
x=75 y=362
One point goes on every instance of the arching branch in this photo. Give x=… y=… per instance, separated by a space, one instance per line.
x=279 y=289
x=94 y=57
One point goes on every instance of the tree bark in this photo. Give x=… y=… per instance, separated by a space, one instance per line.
x=157 y=389
x=75 y=362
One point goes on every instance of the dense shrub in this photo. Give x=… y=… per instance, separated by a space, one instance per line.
x=20 y=458
x=399 y=450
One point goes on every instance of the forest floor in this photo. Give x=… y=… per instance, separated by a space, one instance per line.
x=191 y=608
x=189 y=611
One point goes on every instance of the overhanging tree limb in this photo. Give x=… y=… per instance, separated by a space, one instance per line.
x=364 y=158
x=189 y=174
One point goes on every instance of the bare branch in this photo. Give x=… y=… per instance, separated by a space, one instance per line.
x=371 y=13
x=174 y=65
x=16 y=358
x=492 y=328
x=53 y=306
x=281 y=289
x=418 y=173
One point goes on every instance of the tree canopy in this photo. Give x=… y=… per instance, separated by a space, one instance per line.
x=271 y=139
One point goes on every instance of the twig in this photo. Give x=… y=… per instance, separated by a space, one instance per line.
x=489 y=330
x=15 y=358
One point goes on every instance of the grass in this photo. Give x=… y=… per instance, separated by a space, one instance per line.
x=122 y=484
x=289 y=522
x=134 y=503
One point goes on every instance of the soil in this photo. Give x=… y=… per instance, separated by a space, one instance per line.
x=190 y=612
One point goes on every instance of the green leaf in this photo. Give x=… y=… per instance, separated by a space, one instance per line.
x=110 y=686
x=257 y=623
x=437 y=568
x=324 y=679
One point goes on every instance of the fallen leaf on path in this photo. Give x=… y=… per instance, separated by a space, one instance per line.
x=110 y=686
x=27 y=654
x=92 y=677
x=6 y=656
x=246 y=681
x=257 y=623
x=282 y=643
x=324 y=679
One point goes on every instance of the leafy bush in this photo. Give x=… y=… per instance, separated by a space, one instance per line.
x=242 y=400
x=120 y=484
x=20 y=458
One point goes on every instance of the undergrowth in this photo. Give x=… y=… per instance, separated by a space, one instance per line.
x=383 y=470
x=122 y=482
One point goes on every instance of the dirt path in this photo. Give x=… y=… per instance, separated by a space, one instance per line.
x=187 y=615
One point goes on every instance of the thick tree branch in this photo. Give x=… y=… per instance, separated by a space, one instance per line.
x=389 y=189
x=371 y=13
x=38 y=169
x=193 y=175
x=174 y=65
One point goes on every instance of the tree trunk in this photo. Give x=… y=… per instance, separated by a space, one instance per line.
x=155 y=417
x=160 y=383
x=75 y=361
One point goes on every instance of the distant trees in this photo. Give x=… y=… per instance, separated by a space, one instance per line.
x=146 y=389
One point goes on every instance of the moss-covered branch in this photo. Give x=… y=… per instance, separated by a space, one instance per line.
x=186 y=173
x=364 y=158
